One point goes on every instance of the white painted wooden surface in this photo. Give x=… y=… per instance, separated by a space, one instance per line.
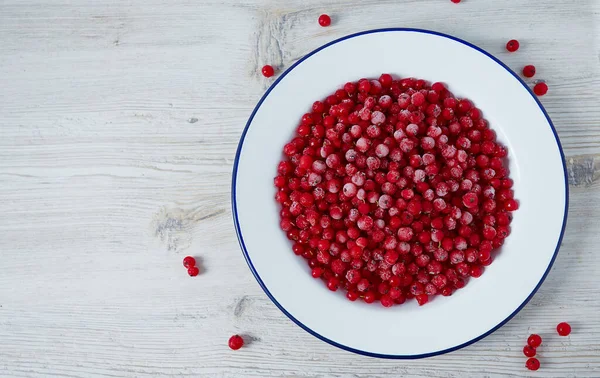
x=105 y=184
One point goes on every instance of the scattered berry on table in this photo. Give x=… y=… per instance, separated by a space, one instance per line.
x=529 y=351
x=193 y=271
x=324 y=20
x=532 y=364
x=455 y=1
x=534 y=340
x=529 y=70
x=189 y=261
x=268 y=71
x=236 y=342
x=512 y=45
x=540 y=89
x=563 y=329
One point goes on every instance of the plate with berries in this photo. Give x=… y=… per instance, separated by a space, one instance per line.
x=399 y=193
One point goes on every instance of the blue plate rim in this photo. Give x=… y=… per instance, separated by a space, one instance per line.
x=300 y=324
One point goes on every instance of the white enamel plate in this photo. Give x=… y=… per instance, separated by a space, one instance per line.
x=445 y=323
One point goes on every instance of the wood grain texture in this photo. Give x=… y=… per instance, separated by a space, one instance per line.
x=106 y=182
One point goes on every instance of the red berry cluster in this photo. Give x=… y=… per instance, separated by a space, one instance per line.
x=190 y=263
x=534 y=341
x=394 y=189
x=540 y=88
x=530 y=350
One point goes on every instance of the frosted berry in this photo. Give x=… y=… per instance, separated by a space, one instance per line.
x=236 y=342
x=193 y=271
x=563 y=329
x=324 y=20
x=529 y=71
x=534 y=340
x=268 y=71
x=386 y=301
x=532 y=363
x=189 y=261
x=540 y=89
x=512 y=45
x=470 y=200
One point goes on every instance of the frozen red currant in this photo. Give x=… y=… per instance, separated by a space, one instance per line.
x=563 y=329
x=470 y=200
x=369 y=297
x=540 y=89
x=512 y=45
x=529 y=71
x=534 y=340
x=422 y=299
x=511 y=205
x=394 y=190
x=455 y=1
x=529 y=351
x=532 y=363
x=193 y=271
x=324 y=20
x=317 y=272
x=189 y=261
x=333 y=284
x=236 y=342
x=268 y=71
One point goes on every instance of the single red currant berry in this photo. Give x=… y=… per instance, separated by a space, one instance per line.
x=324 y=20
x=333 y=284
x=476 y=271
x=532 y=364
x=193 y=271
x=511 y=205
x=422 y=299
x=268 y=71
x=352 y=295
x=534 y=340
x=512 y=45
x=317 y=272
x=385 y=80
x=386 y=301
x=369 y=297
x=189 y=261
x=455 y=1
x=529 y=351
x=236 y=342
x=470 y=200
x=529 y=71
x=540 y=89
x=563 y=329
